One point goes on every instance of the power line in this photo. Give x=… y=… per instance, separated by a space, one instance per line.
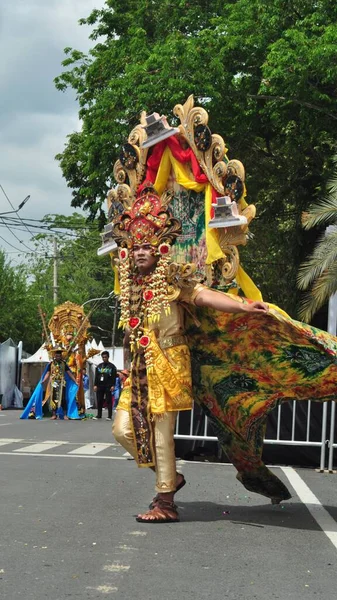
x=16 y=237
x=9 y=244
x=62 y=226
x=3 y=220
x=18 y=216
x=52 y=229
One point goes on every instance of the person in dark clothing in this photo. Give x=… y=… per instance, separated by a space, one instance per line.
x=104 y=385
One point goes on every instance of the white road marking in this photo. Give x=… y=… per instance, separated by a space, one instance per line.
x=22 y=452
x=40 y=447
x=105 y=589
x=6 y=441
x=116 y=567
x=90 y=449
x=319 y=513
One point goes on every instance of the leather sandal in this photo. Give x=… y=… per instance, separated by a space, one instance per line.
x=179 y=487
x=162 y=512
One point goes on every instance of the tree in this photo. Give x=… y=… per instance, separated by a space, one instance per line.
x=82 y=275
x=265 y=71
x=18 y=315
x=318 y=273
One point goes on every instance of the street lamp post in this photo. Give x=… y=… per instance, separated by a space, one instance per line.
x=111 y=295
x=102 y=298
x=9 y=212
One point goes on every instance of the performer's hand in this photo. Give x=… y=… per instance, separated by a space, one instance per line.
x=95 y=388
x=257 y=307
x=112 y=388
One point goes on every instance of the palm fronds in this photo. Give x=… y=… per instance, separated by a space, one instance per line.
x=324 y=212
x=324 y=286
x=318 y=274
x=321 y=260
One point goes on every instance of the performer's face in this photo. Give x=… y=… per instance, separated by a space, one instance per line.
x=144 y=258
x=58 y=356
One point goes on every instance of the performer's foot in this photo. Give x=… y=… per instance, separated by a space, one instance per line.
x=53 y=418
x=162 y=512
x=96 y=418
x=180 y=482
x=66 y=418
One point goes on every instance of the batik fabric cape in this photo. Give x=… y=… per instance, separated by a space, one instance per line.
x=243 y=366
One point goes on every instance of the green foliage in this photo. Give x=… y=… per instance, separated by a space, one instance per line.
x=81 y=276
x=318 y=274
x=265 y=71
x=18 y=314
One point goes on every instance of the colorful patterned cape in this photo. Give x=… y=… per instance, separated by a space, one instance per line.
x=243 y=366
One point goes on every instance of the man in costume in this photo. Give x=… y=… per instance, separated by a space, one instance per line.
x=56 y=371
x=154 y=297
x=69 y=327
x=60 y=393
x=244 y=364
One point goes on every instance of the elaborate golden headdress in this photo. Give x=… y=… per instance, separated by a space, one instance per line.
x=147 y=221
x=69 y=326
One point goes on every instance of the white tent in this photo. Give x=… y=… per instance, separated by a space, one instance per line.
x=40 y=356
x=32 y=369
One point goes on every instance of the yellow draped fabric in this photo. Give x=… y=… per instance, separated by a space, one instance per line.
x=184 y=179
x=247 y=285
x=169 y=380
x=214 y=251
x=117 y=287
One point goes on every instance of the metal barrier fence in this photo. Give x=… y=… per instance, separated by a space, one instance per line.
x=195 y=426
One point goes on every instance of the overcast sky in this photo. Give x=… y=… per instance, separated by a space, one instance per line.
x=34 y=117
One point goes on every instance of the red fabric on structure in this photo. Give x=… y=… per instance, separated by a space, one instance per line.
x=179 y=153
x=153 y=161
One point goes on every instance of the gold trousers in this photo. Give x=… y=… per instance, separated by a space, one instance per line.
x=163 y=427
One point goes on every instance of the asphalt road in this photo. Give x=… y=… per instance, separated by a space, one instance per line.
x=68 y=528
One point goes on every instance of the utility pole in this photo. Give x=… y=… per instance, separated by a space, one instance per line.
x=55 y=286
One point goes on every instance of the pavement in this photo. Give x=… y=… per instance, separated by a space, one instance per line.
x=69 y=495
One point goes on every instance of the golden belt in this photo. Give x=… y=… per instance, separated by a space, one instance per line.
x=172 y=340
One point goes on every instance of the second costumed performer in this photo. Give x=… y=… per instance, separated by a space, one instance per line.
x=156 y=297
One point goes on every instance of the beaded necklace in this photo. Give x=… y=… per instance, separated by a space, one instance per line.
x=143 y=298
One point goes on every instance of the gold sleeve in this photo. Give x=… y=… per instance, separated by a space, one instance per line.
x=189 y=294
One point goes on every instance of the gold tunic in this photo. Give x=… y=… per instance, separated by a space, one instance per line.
x=169 y=381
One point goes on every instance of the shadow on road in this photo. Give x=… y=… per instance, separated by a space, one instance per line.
x=291 y=515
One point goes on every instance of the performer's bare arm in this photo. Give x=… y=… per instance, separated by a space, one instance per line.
x=223 y=303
